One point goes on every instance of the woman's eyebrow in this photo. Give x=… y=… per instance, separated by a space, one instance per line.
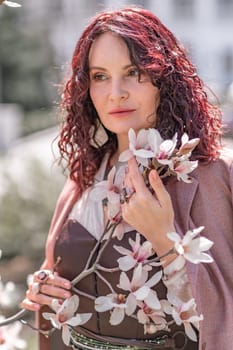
x=105 y=69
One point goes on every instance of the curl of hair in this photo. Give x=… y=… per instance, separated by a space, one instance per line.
x=183 y=107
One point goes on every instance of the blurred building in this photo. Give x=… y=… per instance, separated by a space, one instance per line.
x=10 y=124
x=205 y=27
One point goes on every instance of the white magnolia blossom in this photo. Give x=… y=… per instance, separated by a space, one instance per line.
x=9 y=336
x=139 y=288
x=11 y=3
x=115 y=302
x=7 y=293
x=183 y=313
x=65 y=316
x=149 y=148
x=109 y=189
x=166 y=150
x=152 y=319
x=191 y=248
x=187 y=146
x=182 y=168
x=139 y=253
x=143 y=146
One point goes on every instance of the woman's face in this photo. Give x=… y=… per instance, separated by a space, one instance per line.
x=120 y=99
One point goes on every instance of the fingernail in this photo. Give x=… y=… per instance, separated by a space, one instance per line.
x=67 y=285
x=155 y=175
x=66 y=295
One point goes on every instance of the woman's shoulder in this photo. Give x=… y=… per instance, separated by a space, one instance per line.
x=226 y=157
x=224 y=163
x=216 y=172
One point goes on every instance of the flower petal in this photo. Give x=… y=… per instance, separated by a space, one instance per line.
x=126 y=263
x=117 y=316
x=142 y=317
x=154 y=279
x=79 y=319
x=103 y=304
x=66 y=335
x=124 y=282
x=190 y=331
x=152 y=300
x=125 y=156
x=142 y=293
x=173 y=236
x=139 y=276
x=131 y=304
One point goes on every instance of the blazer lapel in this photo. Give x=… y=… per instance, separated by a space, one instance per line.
x=182 y=196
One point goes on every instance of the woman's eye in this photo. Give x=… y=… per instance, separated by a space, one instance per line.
x=99 y=77
x=134 y=72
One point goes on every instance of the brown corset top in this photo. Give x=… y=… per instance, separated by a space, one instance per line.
x=74 y=246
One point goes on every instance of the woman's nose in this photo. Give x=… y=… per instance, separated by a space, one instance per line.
x=118 y=91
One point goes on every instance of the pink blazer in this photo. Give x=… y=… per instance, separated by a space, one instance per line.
x=207 y=201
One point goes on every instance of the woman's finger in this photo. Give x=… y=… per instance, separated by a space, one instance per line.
x=30 y=305
x=135 y=176
x=40 y=299
x=156 y=183
x=54 y=279
x=54 y=291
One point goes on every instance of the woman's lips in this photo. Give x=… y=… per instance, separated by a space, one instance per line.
x=121 y=112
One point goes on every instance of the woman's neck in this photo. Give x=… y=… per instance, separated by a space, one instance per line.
x=123 y=144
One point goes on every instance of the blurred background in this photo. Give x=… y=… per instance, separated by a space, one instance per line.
x=36 y=44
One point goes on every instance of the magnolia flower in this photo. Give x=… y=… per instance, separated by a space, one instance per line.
x=7 y=294
x=150 y=328
x=166 y=150
x=182 y=167
x=110 y=189
x=138 y=254
x=146 y=314
x=192 y=248
x=117 y=302
x=9 y=337
x=151 y=151
x=187 y=146
x=143 y=146
x=120 y=230
x=10 y=3
x=183 y=313
x=65 y=317
x=140 y=288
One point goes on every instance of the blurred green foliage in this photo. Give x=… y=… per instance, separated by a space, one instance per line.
x=26 y=210
x=27 y=68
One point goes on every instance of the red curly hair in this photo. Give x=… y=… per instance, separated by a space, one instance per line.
x=183 y=107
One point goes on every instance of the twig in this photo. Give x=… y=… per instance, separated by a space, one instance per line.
x=105 y=281
x=16 y=317
x=82 y=275
x=158 y=258
x=87 y=295
x=88 y=271
x=107 y=227
x=106 y=269
x=105 y=243
x=46 y=333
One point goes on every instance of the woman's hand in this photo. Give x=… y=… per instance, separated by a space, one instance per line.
x=41 y=291
x=150 y=214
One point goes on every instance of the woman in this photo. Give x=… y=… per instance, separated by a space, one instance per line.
x=129 y=73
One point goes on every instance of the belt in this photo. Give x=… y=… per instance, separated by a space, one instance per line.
x=82 y=342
